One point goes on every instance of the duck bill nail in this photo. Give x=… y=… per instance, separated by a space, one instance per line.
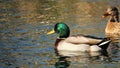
x=51 y=32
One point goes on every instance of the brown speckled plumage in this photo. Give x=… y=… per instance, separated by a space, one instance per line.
x=113 y=25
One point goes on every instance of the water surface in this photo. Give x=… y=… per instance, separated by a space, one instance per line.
x=24 y=24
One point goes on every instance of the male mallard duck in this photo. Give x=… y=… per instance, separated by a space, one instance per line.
x=77 y=43
x=113 y=25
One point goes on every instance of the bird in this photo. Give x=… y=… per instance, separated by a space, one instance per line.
x=83 y=43
x=113 y=25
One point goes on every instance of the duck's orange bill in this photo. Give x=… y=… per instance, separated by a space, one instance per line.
x=103 y=16
x=51 y=32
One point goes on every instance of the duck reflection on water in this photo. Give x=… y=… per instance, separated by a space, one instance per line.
x=115 y=44
x=66 y=58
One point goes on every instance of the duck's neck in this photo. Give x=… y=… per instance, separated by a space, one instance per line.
x=114 y=18
x=57 y=42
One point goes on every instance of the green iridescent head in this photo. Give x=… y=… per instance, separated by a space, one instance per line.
x=61 y=29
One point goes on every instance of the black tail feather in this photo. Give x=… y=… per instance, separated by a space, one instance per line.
x=104 y=43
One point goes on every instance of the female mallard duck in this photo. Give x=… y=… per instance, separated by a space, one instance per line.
x=113 y=25
x=77 y=43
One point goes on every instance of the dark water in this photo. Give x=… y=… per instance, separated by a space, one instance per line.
x=24 y=24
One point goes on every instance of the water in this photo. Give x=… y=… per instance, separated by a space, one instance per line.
x=24 y=24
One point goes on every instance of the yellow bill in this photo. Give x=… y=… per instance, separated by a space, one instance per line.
x=51 y=32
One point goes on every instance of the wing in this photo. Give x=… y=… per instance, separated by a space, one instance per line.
x=83 y=40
